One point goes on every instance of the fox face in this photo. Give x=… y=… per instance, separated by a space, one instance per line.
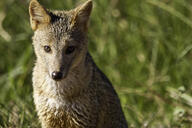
x=59 y=39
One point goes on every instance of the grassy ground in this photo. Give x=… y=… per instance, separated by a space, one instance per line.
x=143 y=46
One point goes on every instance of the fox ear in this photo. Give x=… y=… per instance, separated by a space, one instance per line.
x=38 y=15
x=82 y=14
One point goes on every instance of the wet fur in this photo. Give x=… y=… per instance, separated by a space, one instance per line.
x=85 y=98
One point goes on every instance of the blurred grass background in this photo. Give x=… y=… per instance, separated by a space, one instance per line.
x=143 y=46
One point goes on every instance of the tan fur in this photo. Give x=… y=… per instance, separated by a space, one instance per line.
x=38 y=15
x=84 y=97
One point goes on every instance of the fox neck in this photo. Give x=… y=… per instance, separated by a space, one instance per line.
x=77 y=80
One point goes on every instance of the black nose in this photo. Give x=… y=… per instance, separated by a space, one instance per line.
x=57 y=75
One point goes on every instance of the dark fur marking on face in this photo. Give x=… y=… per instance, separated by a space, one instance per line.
x=59 y=25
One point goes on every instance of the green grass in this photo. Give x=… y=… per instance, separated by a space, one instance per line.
x=143 y=46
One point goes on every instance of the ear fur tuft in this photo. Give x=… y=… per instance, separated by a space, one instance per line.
x=38 y=15
x=82 y=14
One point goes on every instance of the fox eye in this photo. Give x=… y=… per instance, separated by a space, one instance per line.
x=70 y=49
x=47 y=48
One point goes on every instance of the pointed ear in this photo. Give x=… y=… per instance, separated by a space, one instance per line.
x=82 y=14
x=38 y=15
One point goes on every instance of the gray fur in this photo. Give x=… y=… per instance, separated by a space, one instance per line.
x=84 y=98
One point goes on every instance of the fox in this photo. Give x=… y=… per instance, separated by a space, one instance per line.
x=69 y=90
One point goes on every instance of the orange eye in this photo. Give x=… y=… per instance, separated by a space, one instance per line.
x=47 y=48
x=70 y=49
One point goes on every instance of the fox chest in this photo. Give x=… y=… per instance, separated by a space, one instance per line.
x=60 y=119
x=54 y=114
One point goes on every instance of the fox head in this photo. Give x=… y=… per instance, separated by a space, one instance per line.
x=59 y=39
